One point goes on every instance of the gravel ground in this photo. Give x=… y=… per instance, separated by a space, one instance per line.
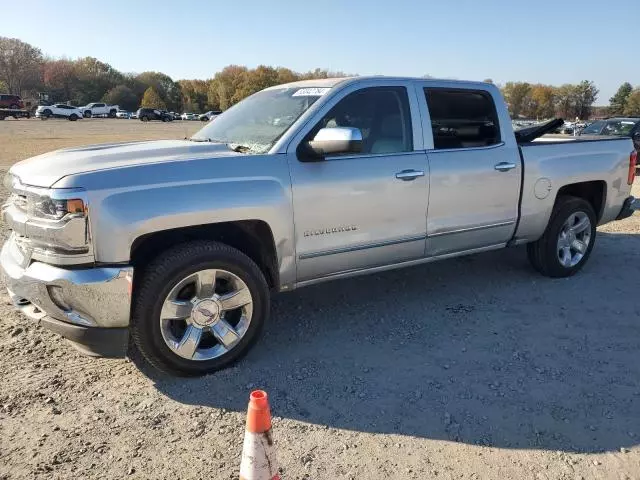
x=473 y=368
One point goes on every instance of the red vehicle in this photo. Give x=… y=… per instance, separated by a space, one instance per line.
x=11 y=101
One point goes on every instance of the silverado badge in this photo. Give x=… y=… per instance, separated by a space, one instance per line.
x=326 y=231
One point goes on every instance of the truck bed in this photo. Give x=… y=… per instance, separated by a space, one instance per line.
x=553 y=162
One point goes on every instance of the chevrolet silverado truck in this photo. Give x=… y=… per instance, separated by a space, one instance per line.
x=99 y=110
x=173 y=247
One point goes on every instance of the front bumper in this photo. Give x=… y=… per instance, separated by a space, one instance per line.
x=629 y=206
x=89 y=306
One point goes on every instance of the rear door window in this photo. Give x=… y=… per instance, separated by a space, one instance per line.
x=462 y=118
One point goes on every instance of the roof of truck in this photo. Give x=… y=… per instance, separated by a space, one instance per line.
x=332 y=82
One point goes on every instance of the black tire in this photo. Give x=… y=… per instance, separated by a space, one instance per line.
x=144 y=118
x=204 y=119
x=87 y=114
x=112 y=113
x=161 y=275
x=165 y=119
x=73 y=117
x=543 y=253
x=46 y=114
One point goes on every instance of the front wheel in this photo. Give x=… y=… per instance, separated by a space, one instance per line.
x=87 y=114
x=198 y=308
x=144 y=118
x=566 y=244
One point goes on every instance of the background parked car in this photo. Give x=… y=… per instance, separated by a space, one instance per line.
x=11 y=101
x=146 y=114
x=205 y=117
x=617 y=127
x=189 y=116
x=123 y=114
x=133 y=115
x=59 y=110
x=97 y=109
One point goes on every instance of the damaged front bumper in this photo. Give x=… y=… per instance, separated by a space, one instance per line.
x=91 y=307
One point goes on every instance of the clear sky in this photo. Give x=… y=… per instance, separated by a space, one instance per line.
x=547 y=41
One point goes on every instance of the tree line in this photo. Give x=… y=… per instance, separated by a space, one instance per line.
x=25 y=70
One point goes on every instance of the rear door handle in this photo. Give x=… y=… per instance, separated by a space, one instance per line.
x=505 y=166
x=408 y=175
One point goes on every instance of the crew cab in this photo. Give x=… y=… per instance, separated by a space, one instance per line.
x=100 y=109
x=179 y=243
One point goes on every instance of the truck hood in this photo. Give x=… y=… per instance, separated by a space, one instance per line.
x=45 y=170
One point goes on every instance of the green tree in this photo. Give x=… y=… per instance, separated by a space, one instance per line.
x=151 y=99
x=518 y=98
x=619 y=101
x=632 y=105
x=565 y=100
x=20 y=66
x=95 y=78
x=3 y=87
x=122 y=96
x=586 y=93
x=165 y=87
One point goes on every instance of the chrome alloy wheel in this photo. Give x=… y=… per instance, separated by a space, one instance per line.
x=206 y=314
x=574 y=239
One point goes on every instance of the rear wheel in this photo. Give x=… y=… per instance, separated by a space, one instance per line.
x=165 y=119
x=144 y=118
x=198 y=308
x=112 y=114
x=73 y=117
x=566 y=244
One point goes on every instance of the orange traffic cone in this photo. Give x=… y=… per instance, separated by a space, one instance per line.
x=258 y=452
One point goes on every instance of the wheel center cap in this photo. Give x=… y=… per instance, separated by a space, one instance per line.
x=206 y=312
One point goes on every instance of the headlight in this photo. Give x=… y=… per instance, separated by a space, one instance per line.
x=52 y=209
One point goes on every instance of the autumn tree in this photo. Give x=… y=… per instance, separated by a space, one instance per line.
x=151 y=99
x=619 y=101
x=122 y=96
x=60 y=79
x=542 y=101
x=194 y=95
x=225 y=84
x=632 y=104
x=20 y=65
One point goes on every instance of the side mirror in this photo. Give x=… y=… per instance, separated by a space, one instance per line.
x=333 y=141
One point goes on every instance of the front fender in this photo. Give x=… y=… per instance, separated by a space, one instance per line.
x=131 y=209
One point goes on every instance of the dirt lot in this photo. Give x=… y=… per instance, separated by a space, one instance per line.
x=475 y=368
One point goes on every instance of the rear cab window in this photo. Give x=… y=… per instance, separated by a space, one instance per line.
x=462 y=118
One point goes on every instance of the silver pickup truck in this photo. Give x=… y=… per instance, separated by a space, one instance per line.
x=177 y=244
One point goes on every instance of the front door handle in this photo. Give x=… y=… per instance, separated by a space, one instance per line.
x=408 y=175
x=505 y=166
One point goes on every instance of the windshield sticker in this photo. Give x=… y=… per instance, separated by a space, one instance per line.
x=311 y=92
